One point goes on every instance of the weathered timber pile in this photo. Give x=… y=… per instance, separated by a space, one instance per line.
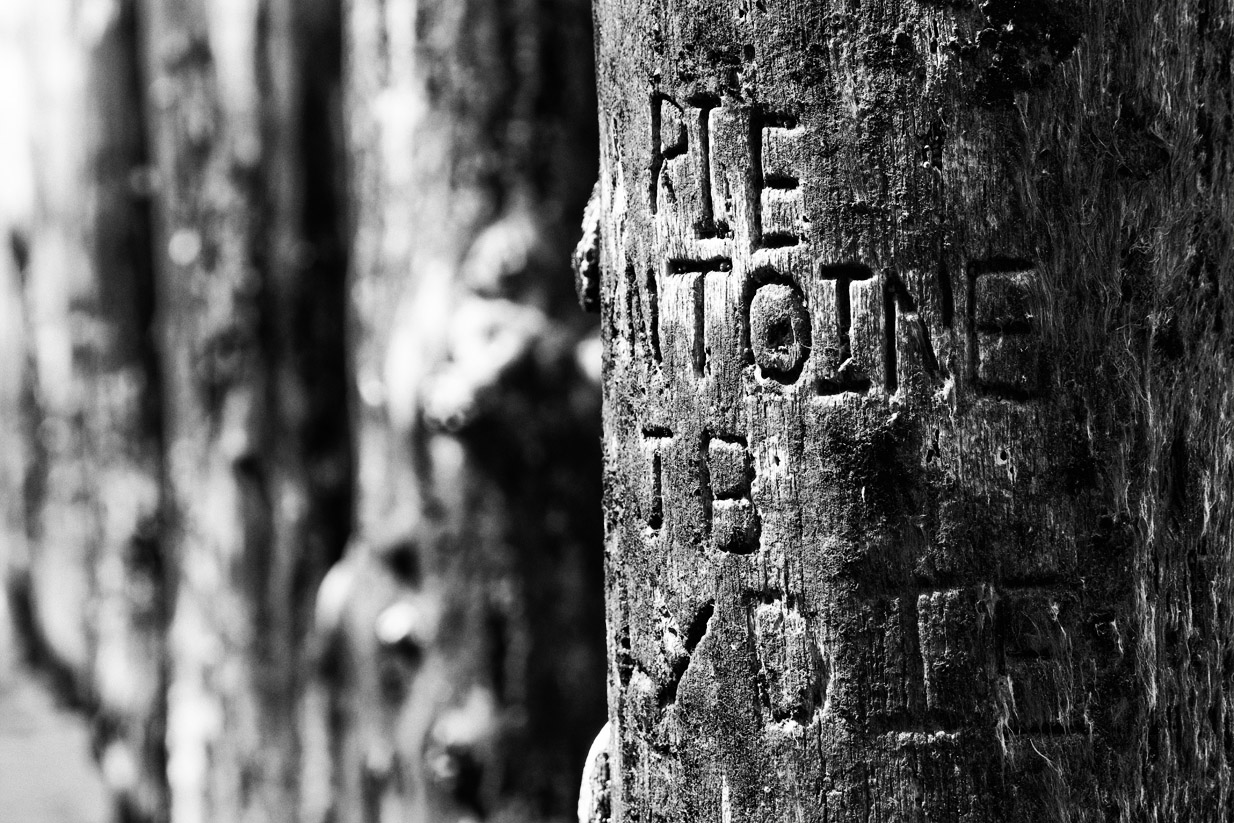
x=917 y=404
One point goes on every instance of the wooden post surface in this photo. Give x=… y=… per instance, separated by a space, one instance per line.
x=916 y=372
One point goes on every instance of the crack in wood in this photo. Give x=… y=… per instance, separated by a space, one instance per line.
x=655 y=438
x=695 y=633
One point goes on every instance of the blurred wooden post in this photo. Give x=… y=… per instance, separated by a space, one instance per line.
x=463 y=628
x=248 y=260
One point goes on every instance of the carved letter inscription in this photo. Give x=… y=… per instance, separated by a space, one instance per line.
x=1006 y=352
x=781 y=211
x=779 y=331
x=727 y=474
x=850 y=345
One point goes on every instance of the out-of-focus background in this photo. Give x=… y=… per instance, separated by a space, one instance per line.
x=299 y=420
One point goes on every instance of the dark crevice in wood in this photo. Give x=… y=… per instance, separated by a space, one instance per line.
x=698 y=626
x=1010 y=327
x=844 y=271
x=679 y=265
x=755 y=140
x=655 y=518
x=700 y=325
x=850 y=385
x=782 y=182
x=657 y=152
x=781 y=240
x=705 y=227
x=891 y=291
x=653 y=317
x=695 y=633
x=1000 y=264
x=945 y=289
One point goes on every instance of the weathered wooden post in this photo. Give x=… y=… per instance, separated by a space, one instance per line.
x=249 y=262
x=917 y=396
x=461 y=654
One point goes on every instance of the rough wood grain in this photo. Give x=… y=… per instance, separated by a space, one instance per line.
x=917 y=396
